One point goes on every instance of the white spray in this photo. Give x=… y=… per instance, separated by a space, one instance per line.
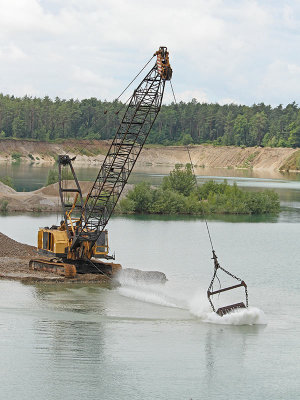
x=168 y=295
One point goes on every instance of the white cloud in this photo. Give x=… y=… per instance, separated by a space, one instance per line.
x=220 y=49
x=11 y=53
x=227 y=100
x=188 y=95
x=282 y=80
x=19 y=17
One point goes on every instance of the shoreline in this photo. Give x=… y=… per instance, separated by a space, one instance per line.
x=92 y=153
x=14 y=265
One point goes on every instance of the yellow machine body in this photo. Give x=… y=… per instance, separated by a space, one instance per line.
x=54 y=242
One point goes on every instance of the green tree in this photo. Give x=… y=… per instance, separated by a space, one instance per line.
x=294 y=133
x=257 y=128
x=240 y=130
x=141 y=196
x=52 y=177
x=181 y=180
x=7 y=180
x=187 y=139
x=19 y=127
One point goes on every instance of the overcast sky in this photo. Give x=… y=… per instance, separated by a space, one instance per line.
x=226 y=51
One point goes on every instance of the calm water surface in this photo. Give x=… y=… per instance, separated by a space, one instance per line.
x=159 y=342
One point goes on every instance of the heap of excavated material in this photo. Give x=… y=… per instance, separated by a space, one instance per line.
x=14 y=264
x=45 y=199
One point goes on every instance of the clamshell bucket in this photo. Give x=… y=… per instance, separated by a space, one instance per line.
x=210 y=292
x=227 y=309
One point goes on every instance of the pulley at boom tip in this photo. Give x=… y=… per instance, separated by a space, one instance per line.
x=163 y=67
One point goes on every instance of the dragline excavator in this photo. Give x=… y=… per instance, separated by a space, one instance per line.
x=81 y=239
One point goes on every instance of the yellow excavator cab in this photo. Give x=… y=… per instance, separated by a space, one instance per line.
x=54 y=242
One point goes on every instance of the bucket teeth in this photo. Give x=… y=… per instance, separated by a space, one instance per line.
x=227 y=309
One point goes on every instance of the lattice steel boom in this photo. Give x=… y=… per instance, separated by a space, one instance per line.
x=126 y=146
x=81 y=236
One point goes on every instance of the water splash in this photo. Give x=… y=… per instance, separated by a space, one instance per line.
x=197 y=304
x=147 y=295
x=243 y=316
x=140 y=288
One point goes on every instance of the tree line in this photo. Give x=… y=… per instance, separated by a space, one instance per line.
x=182 y=123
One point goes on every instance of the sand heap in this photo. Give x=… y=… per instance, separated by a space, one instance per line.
x=45 y=199
x=14 y=264
x=14 y=258
x=12 y=248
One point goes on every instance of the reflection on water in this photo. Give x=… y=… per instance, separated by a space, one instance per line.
x=28 y=177
x=120 y=348
x=72 y=342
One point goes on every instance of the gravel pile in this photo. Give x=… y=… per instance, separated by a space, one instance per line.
x=14 y=264
x=11 y=248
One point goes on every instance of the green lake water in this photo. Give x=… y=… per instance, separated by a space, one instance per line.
x=143 y=341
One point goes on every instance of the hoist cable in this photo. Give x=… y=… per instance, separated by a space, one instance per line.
x=81 y=149
x=99 y=270
x=192 y=166
x=134 y=78
x=204 y=216
x=173 y=92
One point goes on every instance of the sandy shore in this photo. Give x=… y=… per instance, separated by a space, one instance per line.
x=14 y=264
x=45 y=199
x=93 y=152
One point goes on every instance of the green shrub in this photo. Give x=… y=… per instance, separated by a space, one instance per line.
x=187 y=139
x=210 y=198
x=16 y=157
x=7 y=180
x=126 y=206
x=180 y=180
x=141 y=196
x=53 y=176
x=3 y=205
x=167 y=202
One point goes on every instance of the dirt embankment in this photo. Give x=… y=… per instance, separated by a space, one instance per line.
x=14 y=264
x=14 y=261
x=93 y=152
x=45 y=199
x=219 y=157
